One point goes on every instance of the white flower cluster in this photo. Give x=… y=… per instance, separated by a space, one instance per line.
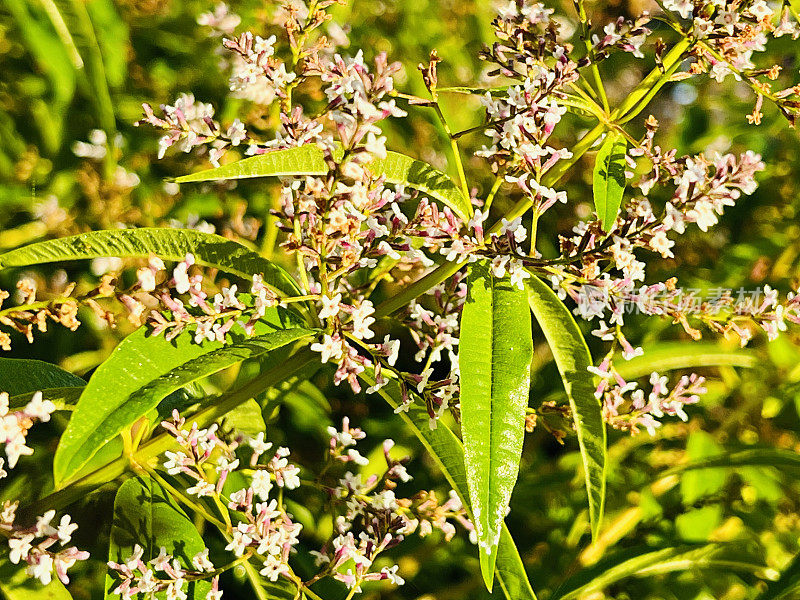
x=163 y=574
x=33 y=545
x=14 y=426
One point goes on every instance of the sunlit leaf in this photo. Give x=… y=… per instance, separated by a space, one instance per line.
x=609 y=179
x=448 y=452
x=572 y=358
x=169 y=244
x=309 y=160
x=495 y=353
x=143 y=370
x=667 y=356
x=24 y=376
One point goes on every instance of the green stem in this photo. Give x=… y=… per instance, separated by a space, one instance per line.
x=255 y=580
x=185 y=500
x=598 y=81
x=493 y=192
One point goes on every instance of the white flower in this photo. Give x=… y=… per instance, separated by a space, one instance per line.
x=20 y=547
x=38 y=408
x=65 y=529
x=201 y=562
x=258 y=444
x=236 y=133
x=330 y=348
x=41 y=568
x=390 y=573
x=43 y=527
x=392 y=348
x=362 y=320
x=201 y=488
x=662 y=244
x=262 y=484
x=330 y=306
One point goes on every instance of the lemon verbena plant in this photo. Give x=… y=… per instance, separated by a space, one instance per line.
x=400 y=282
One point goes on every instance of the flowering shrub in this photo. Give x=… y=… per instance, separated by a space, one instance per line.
x=397 y=284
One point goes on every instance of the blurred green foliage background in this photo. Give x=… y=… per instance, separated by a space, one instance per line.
x=71 y=66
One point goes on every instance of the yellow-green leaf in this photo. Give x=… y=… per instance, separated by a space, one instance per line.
x=572 y=358
x=495 y=352
x=609 y=179
x=310 y=160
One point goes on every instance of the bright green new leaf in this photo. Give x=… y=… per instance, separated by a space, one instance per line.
x=169 y=244
x=24 y=376
x=143 y=370
x=309 y=160
x=448 y=452
x=572 y=358
x=495 y=354
x=609 y=179
x=145 y=515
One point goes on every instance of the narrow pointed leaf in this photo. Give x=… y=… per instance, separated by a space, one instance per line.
x=146 y=515
x=646 y=561
x=495 y=352
x=448 y=452
x=609 y=179
x=169 y=244
x=309 y=160
x=23 y=376
x=572 y=358
x=143 y=370
x=668 y=356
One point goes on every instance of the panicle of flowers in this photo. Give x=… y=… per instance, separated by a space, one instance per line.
x=728 y=33
x=31 y=314
x=211 y=316
x=200 y=448
x=15 y=424
x=163 y=574
x=628 y=35
x=522 y=119
x=628 y=407
x=42 y=546
x=189 y=124
x=375 y=519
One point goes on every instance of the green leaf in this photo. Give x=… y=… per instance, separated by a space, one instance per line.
x=143 y=370
x=448 y=453
x=145 y=515
x=647 y=561
x=169 y=244
x=609 y=178
x=495 y=354
x=24 y=376
x=669 y=356
x=16 y=584
x=789 y=581
x=573 y=359
x=309 y=160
